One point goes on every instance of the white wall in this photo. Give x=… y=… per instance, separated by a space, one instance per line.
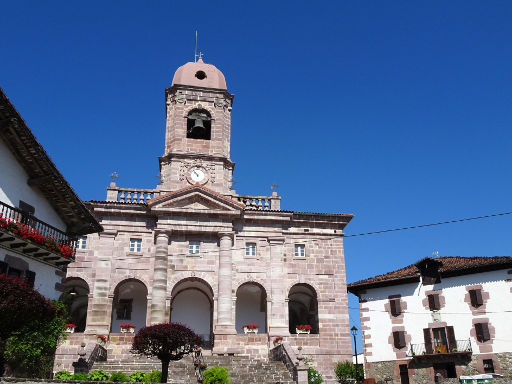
x=456 y=312
x=192 y=308
x=14 y=187
x=45 y=274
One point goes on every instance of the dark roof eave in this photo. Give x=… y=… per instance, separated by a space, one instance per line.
x=355 y=288
x=55 y=188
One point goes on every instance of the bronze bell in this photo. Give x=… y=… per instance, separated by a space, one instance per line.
x=198 y=127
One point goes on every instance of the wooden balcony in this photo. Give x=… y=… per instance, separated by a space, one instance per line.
x=462 y=350
x=34 y=238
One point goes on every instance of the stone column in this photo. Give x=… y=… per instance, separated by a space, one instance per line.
x=225 y=295
x=159 y=293
x=98 y=311
x=278 y=324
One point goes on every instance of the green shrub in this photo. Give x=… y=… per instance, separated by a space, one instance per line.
x=98 y=375
x=314 y=377
x=80 y=376
x=345 y=371
x=62 y=375
x=217 y=375
x=153 y=377
x=137 y=377
x=118 y=377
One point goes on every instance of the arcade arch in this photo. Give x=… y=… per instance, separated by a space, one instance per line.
x=251 y=306
x=76 y=299
x=302 y=307
x=129 y=304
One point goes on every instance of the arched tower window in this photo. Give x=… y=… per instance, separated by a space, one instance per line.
x=199 y=124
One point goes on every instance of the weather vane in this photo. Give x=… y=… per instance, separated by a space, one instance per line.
x=114 y=176
x=273 y=187
x=435 y=254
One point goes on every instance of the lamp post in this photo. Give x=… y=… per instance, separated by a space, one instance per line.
x=354 y=333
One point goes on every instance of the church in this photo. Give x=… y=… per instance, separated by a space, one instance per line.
x=193 y=251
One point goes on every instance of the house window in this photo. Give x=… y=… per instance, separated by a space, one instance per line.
x=488 y=366
x=135 y=245
x=476 y=297
x=399 y=339
x=482 y=332
x=250 y=249
x=193 y=247
x=300 y=250
x=124 y=309
x=433 y=302
x=396 y=309
x=81 y=242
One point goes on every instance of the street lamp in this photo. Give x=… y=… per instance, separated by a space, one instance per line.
x=354 y=333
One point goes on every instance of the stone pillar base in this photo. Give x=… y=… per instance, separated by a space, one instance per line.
x=225 y=330
x=278 y=330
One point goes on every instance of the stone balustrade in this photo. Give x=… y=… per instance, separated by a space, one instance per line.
x=262 y=203
x=130 y=195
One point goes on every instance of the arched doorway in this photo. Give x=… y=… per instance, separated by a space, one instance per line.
x=251 y=307
x=302 y=307
x=192 y=306
x=76 y=298
x=129 y=305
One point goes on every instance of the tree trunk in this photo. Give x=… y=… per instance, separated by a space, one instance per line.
x=165 y=370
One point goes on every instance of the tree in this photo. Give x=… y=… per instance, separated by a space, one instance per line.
x=30 y=328
x=167 y=341
x=346 y=372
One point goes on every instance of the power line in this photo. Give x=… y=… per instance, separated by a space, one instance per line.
x=431 y=224
x=441 y=313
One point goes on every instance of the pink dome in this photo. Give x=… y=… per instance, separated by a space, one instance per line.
x=199 y=74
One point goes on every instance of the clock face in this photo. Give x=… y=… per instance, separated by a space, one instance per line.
x=197 y=175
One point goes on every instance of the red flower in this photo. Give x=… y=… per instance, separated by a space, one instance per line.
x=127 y=326
x=70 y=325
x=251 y=326
x=304 y=327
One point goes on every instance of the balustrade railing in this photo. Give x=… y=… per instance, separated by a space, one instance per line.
x=130 y=195
x=45 y=229
x=423 y=349
x=262 y=203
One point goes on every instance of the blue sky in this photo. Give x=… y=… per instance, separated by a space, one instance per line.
x=398 y=112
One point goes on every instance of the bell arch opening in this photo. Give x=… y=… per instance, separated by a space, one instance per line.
x=192 y=306
x=199 y=124
x=76 y=299
x=129 y=305
x=302 y=307
x=251 y=307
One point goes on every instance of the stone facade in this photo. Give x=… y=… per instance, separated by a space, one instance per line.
x=235 y=258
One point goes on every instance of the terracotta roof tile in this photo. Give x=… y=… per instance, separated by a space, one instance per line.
x=451 y=266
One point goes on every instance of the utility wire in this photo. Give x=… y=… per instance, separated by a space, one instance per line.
x=440 y=312
x=430 y=225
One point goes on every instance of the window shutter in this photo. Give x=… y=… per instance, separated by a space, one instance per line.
x=450 y=335
x=399 y=339
x=482 y=332
x=30 y=277
x=396 y=310
x=428 y=341
x=485 y=332
x=3 y=267
x=433 y=302
x=476 y=297
x=401 y=335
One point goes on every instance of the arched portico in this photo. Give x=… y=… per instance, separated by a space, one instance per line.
x=192 y=306
x=129 y=304
x=76 y=298
x=302 y=307
x=251 y=306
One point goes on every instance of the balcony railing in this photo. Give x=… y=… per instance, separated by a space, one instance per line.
x=48 y=240
x=462 y=346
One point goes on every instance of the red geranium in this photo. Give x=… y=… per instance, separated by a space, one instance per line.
x=304 y=327
x=251 y=326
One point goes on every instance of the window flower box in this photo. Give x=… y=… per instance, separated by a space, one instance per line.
x=101 y=339
x=128 y=328
x=303 y=328
x=251 y=328
x=70 y=328
x=278 y=341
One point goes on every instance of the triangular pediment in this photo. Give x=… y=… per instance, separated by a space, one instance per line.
x=195 y=199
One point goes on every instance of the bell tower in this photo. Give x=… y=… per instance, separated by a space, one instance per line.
x=198 y=130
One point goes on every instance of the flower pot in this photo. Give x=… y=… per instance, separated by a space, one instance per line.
x=305 y=331
x=102 y=343
x=70 y=330
x=124 y=330
x=250 y=330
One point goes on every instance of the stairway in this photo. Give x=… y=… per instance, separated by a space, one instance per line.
x=242 y=369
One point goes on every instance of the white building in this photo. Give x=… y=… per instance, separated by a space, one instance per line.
x=442 y=317
x=36 y=205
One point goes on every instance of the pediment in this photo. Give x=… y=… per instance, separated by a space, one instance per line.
x=195 y=199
